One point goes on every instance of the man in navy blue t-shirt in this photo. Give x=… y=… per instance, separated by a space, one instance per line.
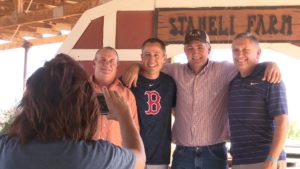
x=155 y=97
x=257 y=111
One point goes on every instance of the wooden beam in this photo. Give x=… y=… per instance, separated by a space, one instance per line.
x=49 y=2
x=48 y=14
x=42 y=30
x=20 y=6
x=5 y=2
x=8 y=37
x=6 y=6
x=27 y=29
x=39 y=6
x=34 y=42
x=5 y=11
x=8 y=34
x=70 y=2
x=11 y=35
x=36 y=4
x=56 y=2
x=69 y=20
x=8 y=30
x=60 y=26
x=30 y=34
x=39 y=24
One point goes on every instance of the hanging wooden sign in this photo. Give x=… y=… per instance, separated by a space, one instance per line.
x=269 y=24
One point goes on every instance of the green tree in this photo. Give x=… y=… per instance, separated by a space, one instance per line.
x=294 y=131
x=6 y=119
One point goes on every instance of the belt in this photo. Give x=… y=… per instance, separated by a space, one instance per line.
x=200 y=147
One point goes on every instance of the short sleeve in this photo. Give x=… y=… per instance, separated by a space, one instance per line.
x=169 y=68
x=276 y=100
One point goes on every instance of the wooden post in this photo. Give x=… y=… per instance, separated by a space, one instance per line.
x=26 y=45
x=19 y=6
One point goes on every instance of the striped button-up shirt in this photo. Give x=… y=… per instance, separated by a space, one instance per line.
x=201 y=115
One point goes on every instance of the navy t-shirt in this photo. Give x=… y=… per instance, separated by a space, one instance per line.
x=155 y=99
x=253 y=104
x=67 y=154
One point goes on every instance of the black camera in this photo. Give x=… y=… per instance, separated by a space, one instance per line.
x=102 y=103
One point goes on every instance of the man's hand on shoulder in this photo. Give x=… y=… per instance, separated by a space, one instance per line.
x=130 y=77
x=272 y=73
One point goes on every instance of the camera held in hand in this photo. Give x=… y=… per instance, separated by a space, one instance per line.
x=102 y=103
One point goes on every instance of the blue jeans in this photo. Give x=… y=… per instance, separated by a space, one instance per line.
x=205 y=157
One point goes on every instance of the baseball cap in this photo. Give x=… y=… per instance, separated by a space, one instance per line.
x=196 y=34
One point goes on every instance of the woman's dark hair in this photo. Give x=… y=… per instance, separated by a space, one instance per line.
x=58 y=104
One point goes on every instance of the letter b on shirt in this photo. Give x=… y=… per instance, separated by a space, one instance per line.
x=153 y=102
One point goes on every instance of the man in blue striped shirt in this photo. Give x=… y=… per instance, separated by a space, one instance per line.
x=257 y=111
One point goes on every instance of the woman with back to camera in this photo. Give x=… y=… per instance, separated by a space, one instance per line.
x=56 y=121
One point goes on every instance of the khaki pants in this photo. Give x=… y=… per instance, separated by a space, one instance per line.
x=156 y=167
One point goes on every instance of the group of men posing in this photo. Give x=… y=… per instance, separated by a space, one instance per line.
x=206 y=96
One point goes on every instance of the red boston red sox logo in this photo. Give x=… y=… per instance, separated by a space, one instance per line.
x=153 y=102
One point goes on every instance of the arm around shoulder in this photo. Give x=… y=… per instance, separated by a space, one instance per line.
x=130 y=77
x=272 y=73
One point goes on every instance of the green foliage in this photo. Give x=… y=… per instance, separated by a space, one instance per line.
x=6 y=119
x=294 y=131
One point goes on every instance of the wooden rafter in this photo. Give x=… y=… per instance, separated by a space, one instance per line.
x=34 y=18
x=22 y=33
x=39 y=24
x=34 y=42
x=48 y=14
x=70 y=2
x=7 y=36
x=42 y=30
x=6 y=7
x=62 y=26
x=19 y=6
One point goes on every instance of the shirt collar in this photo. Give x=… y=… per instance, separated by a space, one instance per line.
x=205 y=68
x=112 y=86
x=257 y=72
